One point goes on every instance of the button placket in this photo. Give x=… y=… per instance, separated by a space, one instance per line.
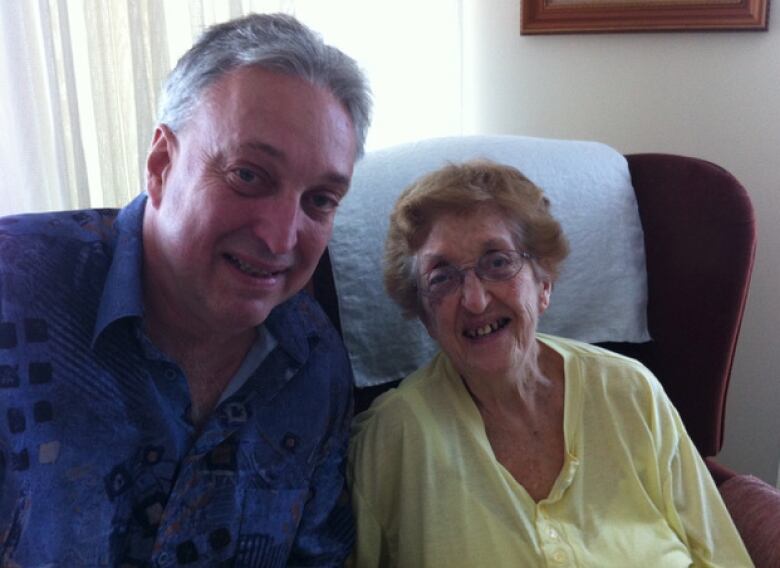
x=551 y=540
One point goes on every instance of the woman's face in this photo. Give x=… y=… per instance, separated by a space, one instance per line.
x=484 y=327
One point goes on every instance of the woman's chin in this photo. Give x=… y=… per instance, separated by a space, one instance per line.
x=491 y=357
x=480 y=368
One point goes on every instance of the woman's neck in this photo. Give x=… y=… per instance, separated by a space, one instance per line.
x=527 y=389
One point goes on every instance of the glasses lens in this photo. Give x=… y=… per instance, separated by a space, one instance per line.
x=494 y=265
x=440 y=281
x=499 y=265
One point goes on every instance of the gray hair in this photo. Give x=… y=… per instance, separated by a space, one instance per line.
x=277 y=42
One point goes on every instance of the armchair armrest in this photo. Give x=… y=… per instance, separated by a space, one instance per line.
x=754 y=506
x=720 y=473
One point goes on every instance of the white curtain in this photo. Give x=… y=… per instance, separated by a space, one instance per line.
x=79 y=81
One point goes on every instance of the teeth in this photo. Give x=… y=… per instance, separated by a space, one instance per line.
x=248 y=268
x=485 y=329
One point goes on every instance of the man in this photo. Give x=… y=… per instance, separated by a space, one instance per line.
x=166 y=395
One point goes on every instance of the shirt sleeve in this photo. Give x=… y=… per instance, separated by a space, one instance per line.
x=695 y=509
x=326 y=533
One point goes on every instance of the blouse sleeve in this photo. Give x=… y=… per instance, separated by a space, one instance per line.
x=370 y=551
x=694 y=507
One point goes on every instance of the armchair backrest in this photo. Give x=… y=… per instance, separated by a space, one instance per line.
x=699 y=233
x=700 y=244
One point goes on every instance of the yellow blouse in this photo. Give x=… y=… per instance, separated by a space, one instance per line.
x=633 y=491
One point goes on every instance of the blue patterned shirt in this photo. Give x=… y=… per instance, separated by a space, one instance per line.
x=99 y=462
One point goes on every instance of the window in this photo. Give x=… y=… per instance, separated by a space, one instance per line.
x=80 y=80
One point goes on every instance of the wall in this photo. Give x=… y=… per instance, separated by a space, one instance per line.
x=711 y=95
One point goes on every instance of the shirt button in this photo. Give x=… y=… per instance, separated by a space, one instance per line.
x=170 y=374
x=289 y=442
x=559 y=557
x=553 y=534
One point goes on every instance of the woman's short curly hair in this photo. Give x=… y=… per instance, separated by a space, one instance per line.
x=462 y=189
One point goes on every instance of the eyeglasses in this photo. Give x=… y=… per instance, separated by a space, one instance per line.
x=493 y=266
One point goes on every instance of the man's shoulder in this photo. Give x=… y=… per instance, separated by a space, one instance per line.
x=38 y=240
x=84 y=224
x=50 y=256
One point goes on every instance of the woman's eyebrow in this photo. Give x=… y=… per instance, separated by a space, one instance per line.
x=433 y=258
x=495 y=244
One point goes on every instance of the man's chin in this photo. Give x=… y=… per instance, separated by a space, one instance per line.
x=254 y=313
x=238 y=312
x=253 y=318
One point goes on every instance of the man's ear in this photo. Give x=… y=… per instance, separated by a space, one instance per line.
x=158 y=162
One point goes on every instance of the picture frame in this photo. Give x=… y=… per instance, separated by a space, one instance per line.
x=594 y=16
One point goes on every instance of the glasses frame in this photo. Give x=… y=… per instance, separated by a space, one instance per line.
x=475 y=266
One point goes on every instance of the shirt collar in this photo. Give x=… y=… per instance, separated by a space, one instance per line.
x=123 y=291
x=296 y=325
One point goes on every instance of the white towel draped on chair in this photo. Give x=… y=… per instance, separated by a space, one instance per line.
x=601 y=294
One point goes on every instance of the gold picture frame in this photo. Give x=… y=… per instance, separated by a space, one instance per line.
x=584 y=16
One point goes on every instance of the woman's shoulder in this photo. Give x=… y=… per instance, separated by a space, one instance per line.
x=406 y=401
x=397 y=431
x=593 y=363
x=590 y=354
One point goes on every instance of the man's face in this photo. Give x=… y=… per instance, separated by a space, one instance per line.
x=242 y=199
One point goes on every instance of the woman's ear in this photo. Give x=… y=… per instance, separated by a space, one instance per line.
x=426 y=320
x=545 y=290
x=158 y=162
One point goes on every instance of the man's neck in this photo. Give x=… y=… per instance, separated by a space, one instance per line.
x=209 y=361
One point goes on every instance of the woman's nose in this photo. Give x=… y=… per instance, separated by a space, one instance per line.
x=474 y=296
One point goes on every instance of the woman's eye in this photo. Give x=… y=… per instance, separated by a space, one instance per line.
x=496 y=260
x=437 y=277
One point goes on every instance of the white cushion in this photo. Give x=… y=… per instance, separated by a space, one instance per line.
x=601 y=294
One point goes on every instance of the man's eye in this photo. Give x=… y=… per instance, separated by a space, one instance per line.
x=323 y=202
x=246 y=175
x=248 y=181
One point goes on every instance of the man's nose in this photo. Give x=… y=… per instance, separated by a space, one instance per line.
x=474 y=297
x=278 y=227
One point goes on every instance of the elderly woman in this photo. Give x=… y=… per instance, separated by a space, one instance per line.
x=514 y=448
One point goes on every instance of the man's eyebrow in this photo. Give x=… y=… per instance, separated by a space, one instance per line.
x=338 y=179
x=272 y=151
